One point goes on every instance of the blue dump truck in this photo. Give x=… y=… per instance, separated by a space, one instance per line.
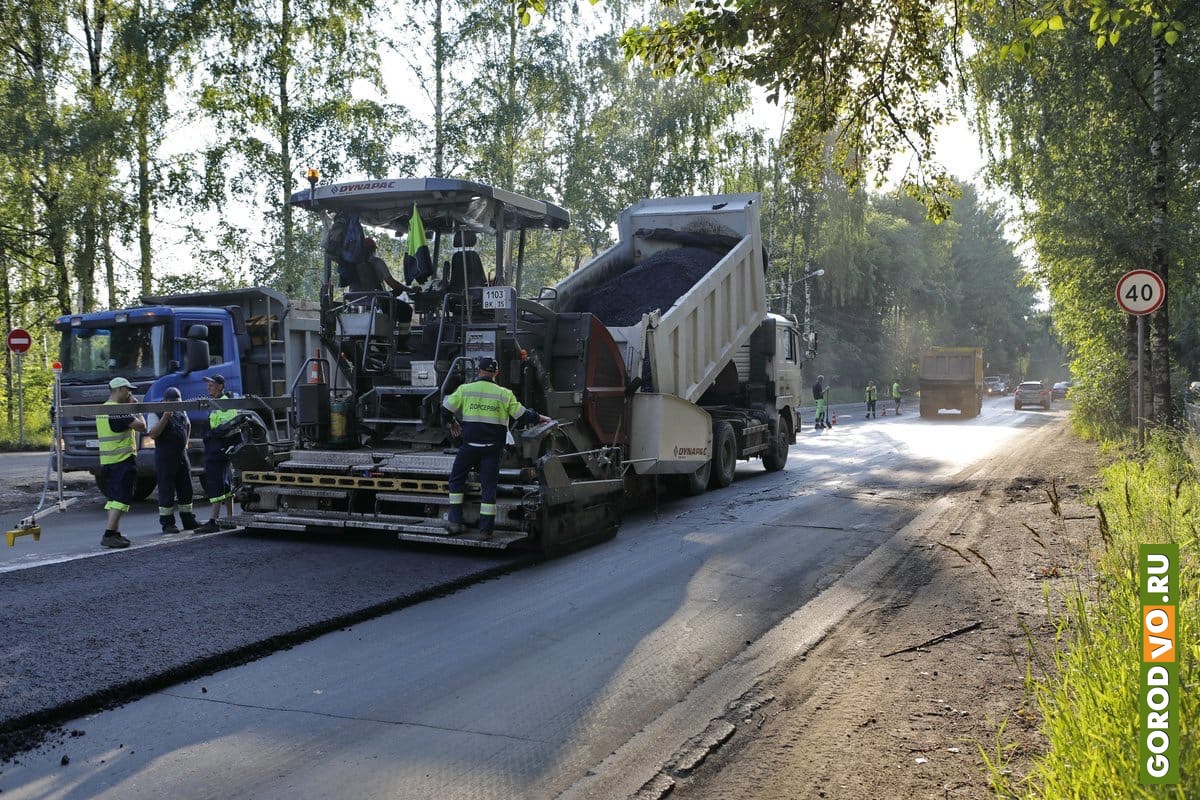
x=256 y=338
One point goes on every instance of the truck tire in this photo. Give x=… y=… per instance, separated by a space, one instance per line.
x=725 y=453
x=144 y=487
x=775 y=457
x=141 y=490
x=696 y=483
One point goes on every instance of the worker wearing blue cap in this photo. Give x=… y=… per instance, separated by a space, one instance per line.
x=171 y=432
x=486 y=408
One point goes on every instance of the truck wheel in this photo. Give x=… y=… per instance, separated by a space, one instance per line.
x=724 y=460
x=141 y=490
x=144 y=487
x=775 y=457
x=697 y=482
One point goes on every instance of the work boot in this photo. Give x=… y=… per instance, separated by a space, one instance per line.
x=486 y=526
x=208 y=527
x=113 y=539
x=189 y=521
x=454 y=521
x=167 y=521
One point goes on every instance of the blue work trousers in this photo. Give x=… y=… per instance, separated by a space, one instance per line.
x=174 y=479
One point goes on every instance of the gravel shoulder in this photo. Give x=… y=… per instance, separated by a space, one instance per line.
x=908 y=693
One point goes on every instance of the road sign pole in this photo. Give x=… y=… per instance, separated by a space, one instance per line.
x=20 y=401
x=1140 y=292
x=56 y=368
x=1141 y=414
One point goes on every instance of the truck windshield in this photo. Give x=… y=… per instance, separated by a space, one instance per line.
x=130 y=351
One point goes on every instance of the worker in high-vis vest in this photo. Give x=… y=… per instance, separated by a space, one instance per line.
x=218 y=476
x=485 y=408
x=819 y=399
x=872 y=398
x=118 y=459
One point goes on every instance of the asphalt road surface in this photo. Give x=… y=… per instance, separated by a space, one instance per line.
x=374 y=670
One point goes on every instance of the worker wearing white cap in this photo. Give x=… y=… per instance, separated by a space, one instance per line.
x=118 y=462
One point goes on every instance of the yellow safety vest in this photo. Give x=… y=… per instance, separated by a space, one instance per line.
x=218 y=418
x=484 y=402
x=872 y=393
x=114 y=447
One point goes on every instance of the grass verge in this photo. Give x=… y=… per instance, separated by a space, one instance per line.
x=37 y=435
x=1088 y=700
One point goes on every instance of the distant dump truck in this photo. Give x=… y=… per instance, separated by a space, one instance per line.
x=951 y=379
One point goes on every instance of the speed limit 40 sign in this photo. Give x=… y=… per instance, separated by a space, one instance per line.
x=1140 y=292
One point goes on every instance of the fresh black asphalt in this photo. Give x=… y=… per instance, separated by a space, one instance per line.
x=96 y=632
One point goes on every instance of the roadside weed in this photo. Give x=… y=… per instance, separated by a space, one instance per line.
x=1089 y=701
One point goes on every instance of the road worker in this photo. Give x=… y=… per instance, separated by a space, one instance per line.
x=819 y=396
x=218 y=477
x=872 y=396
x=896 y=395
x=171 y=433
x=118 y=461
x=486 y=409
x=372 y=274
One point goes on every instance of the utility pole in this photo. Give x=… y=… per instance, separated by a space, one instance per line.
x=808 y=333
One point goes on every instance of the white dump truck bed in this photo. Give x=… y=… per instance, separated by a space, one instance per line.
x=688 y=344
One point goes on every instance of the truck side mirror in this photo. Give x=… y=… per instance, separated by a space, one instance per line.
x=196 y=353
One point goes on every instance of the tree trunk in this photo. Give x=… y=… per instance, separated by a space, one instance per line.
x=110 y=269
x=94 y=23
x=439 y=87
x=1131 y=356
x=6 y=293
x=85 y=259
x=285 y=148
x=142 y=121
x=1160 y=328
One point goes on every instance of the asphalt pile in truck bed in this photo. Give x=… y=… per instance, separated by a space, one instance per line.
x=657 y=282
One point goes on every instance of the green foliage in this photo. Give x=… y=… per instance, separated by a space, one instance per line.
x=1088 y=702
x=866 y=72
x=1068 y=133
x=896 y=284
x=281 y=85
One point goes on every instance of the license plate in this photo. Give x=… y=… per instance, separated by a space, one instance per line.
x=93 y=444
x=495 y=298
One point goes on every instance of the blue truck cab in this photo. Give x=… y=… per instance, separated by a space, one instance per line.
x=242 y=335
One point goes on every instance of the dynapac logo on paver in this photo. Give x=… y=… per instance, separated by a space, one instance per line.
x=362 y=187
x=685 y=452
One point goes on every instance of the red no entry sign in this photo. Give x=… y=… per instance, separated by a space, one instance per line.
x=19 y=340
x=1140 y=292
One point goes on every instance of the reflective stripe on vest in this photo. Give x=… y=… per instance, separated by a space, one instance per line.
x=484 y=401
x=114 y=447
